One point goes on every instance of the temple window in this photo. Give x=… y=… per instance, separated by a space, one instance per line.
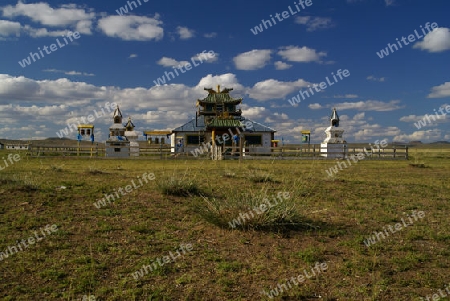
x=253 y=139
x=195 y=139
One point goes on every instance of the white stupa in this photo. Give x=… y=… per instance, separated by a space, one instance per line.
x=117 y=144
x=334 y=146
x=132 y=136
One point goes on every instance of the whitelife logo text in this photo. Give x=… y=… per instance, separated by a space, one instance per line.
x=318 y=87
x=108 y=197
x=35 y=56
x=391 y=48
x=281 y=17
x=31 y=241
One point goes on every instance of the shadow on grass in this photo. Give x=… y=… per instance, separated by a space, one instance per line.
x=263 y=179
x=19 y=185
x=181 y=187
x=96 y=172
x=247 y=212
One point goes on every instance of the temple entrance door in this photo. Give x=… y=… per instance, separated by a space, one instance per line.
x=226 y=145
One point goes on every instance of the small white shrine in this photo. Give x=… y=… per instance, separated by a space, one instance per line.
x=334 y=146
x=117 y=144
x=132 y=136
x=85 y=131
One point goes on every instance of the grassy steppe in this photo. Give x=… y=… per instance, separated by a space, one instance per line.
x=95 y=250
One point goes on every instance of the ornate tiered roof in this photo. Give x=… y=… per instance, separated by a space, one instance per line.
x=219 y=108
x=219 y=97
x=198 y=125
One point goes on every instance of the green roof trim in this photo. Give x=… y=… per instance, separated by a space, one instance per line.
x=224 y=123
x=198 y=124
x=220 y=98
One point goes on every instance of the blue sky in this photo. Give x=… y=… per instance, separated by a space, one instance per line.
x=117 y=58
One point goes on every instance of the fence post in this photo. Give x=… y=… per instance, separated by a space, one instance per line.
x=240 y=148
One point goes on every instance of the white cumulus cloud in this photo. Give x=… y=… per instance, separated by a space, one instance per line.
x=314 y=23
x=170 y=62
x=279 y=65
x=68 y=15
x=8 y=28
x=185 y=33
x=437 y=40
x=440 y=91
x=301 y=55
x=274 y=89
x=132 y=28
x=252 y=60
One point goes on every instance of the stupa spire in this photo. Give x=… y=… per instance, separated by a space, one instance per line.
x=334 y=118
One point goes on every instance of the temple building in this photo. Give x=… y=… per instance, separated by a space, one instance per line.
x=217 y=120
x=117 y=144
